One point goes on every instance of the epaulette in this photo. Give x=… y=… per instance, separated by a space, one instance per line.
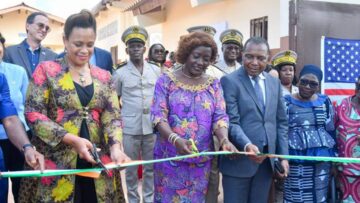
x=120 y=65
x=154 y=63
x=176 y=67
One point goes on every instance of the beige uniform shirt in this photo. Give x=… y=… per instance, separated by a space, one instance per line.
x=136 y=92
x=223 y=69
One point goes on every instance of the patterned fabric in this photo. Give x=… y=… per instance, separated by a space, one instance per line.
x=311 y=125
x=53 y=109
x=307 y=183
x=348 y=132
x=192 y=112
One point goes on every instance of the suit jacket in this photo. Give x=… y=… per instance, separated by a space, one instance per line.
x=248 y=124
x=16 y=54
x=103 y=59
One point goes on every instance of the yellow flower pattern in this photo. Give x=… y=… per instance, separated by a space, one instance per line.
x=63 y=190
x=66 y=82
x=46 y=95
x=206 y=105
x=71 y=128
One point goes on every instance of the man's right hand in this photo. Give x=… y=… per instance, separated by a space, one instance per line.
x=254 y=150
x=34 y=159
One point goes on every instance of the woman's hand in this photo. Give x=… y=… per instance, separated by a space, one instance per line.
x=226 y=145
x=34 y=159
x=82 y=146
x=117 y=155
x=183 y=146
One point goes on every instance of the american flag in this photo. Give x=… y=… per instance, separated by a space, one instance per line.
x=340 y=63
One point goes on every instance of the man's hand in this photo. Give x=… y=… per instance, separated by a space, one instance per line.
x=34 y=159
x=285 y=165
x=254 y=151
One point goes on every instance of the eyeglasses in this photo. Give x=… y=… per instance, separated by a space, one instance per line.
x=41 y=26
x=312 y=84
x=251 y=57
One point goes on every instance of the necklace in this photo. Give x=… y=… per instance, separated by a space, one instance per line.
x=82 y=78
x=188 y=76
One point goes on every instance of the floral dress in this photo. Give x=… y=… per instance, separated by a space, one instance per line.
x=53 y=108
x=192 y=111
x=347 y=133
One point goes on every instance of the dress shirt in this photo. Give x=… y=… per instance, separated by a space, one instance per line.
x=18 y=82
x=261 y=83
x=33 y=55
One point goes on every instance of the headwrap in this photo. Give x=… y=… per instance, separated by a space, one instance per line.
x=312 y=69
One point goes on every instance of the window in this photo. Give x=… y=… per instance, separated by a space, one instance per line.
x=259 y=27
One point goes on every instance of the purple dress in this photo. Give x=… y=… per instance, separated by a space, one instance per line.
x=192 y=111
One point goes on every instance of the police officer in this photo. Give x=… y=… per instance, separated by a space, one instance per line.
x=135 y=83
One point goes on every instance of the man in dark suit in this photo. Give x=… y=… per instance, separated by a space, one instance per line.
x=100 y=58
x=258 y=123
x=29 y=53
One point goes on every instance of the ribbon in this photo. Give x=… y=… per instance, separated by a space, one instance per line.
x=95 y=172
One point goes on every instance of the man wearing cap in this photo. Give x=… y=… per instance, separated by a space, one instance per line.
x=231 y=40
x=135 y=83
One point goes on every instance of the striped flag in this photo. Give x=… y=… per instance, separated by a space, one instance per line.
x=340 y=63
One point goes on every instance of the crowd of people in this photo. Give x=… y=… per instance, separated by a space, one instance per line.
x=74 y=110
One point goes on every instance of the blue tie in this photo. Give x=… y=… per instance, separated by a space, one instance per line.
x=259 y=93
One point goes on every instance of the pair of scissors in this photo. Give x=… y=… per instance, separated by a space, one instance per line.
x=193 y=146
x=96 y=157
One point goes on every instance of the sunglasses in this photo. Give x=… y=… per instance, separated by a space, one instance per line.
x=312 y=84
x=41 y=26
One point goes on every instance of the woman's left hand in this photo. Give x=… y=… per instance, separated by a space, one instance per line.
x=228 y=146
x=117 y=155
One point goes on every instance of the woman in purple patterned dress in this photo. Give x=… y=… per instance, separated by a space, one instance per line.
x=348 y=139
x=188 y=104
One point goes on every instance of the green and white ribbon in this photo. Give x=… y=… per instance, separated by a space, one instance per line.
x=58 y=172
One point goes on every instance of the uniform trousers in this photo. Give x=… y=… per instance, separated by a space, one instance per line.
x=136 y=146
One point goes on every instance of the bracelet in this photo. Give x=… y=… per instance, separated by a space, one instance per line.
x=223 y=141
x=176 y=138
x=171 y=137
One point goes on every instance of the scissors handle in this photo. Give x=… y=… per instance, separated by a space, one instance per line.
x=193 y=146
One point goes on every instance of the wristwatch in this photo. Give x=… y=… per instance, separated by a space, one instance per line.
x=26 y=146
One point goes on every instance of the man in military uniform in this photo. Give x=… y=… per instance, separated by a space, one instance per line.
x=135 y=83
x=231 y=40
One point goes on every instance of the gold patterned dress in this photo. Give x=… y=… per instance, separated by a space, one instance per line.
x=53 y=108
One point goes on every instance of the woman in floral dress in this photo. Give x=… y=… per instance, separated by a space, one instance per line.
x=348 y=140
x=70 y=105
x=188 y=104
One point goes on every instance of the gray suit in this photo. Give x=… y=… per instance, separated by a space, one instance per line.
x=248 y=124
x=16 y=54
